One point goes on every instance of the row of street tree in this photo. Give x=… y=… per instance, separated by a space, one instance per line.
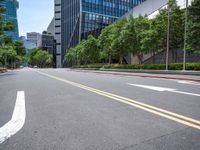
x=40 y=58
x=11 y=52
x=141 y=36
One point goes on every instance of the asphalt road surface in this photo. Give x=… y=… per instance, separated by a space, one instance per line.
x=63 y=109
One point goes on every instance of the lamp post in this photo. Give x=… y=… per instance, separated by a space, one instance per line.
x=168 y=34
x=185 y=36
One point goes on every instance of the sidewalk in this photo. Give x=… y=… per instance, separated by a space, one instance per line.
x=171 y=75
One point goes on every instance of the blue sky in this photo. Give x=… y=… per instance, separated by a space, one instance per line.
x=34 y=15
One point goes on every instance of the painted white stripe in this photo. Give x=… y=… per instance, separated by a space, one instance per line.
x=186 y=93
x=17 y=121
x=188 y=82
x=162 y=89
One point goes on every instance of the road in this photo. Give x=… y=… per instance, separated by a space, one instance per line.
x=70 y=110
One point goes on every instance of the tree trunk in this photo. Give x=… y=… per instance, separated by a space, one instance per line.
x=140 y=58
x=121 y=59
x=153 y=56
x=109 y=59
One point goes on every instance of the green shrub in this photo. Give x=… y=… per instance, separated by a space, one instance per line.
x=176 y=66
x=95 y=66
x=193 y=66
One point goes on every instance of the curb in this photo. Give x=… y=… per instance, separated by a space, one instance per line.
x=129 y=73
x=172 y=72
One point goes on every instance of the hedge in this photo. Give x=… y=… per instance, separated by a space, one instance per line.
x=95 y=66
x=176 y=66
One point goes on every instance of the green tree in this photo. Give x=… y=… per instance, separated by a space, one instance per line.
x=193 y=39
x=19 y=48
x=134 y=34
x=119 y=45
x=105 y=40
x=39 y=57
x=176 y=29
x=91 y=49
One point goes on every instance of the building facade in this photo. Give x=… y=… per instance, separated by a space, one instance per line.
x=33 y=37
x=27 y=44
x=46 y=42
x=51 y=28
x=11 y=16
x=147 y=8
x=76 y=19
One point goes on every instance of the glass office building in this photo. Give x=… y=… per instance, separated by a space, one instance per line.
x=11 y=15
x=76 y=19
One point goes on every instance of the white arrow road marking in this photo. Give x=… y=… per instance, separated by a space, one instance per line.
x=17 y=121
x=161 y=89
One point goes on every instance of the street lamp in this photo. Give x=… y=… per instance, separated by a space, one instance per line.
x=168 y=34
x=185 y=37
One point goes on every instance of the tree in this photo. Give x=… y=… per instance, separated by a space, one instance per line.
x=44 y=32
x=91 y=49
x=119 y=45
x=19 y=48
x=134 y=33
x=105 y=39
x=11 y=52
x=5 y=26
x=39 y=57
x=193 y=39
x=176 y=29
x=9 y=57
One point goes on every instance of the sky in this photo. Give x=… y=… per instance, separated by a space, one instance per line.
x=34 y=15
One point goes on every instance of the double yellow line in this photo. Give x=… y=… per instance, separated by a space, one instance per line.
x=149 y=108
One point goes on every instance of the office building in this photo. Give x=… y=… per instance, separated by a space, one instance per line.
x=76 y=19
x=27 y=44
x=51 y=28
x=11 y=16
x=46 y=42
x=33 y=37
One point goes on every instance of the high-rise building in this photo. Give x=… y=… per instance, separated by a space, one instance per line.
x=76 y=19
x=27 y=44
x=33 y=37
x=51 y=28
x=11 y=15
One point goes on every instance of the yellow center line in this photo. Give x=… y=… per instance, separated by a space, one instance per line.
x=149 y=108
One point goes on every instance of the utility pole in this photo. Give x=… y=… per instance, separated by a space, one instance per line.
x=185 y=37
x=168 y=34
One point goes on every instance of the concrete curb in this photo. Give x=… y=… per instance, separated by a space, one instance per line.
x=156 y=73
x=173 y=72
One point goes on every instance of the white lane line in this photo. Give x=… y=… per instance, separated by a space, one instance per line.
x=17 y=121
x=155 y=88
x=186 y=93
x=162 y=89
x=188 y=82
